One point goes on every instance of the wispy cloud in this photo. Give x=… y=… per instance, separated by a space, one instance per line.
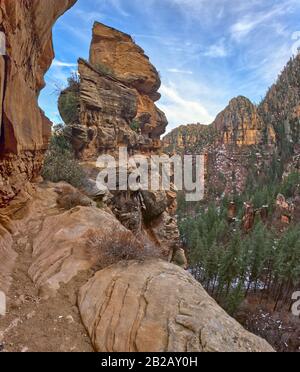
x=218 y=50
x=57 y=63
x=180 y=110
x=207 y=50
x=178 y=71
x=252 y=20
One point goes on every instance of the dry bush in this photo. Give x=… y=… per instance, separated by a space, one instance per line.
x=121 y=246
x=69 y=197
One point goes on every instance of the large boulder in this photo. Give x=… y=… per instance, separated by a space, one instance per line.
x=63 y=247
x=154 y=306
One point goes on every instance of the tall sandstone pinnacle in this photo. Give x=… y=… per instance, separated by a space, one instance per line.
x=116 y=99
x=114 y=105
x=27 y=25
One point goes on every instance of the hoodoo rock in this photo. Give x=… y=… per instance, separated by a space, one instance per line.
x=127 y=60
x=155 y=306
x=25 y=130
x=114 y=104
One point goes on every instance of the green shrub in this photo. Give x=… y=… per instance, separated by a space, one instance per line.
x=60 y=163
x=69 y=101
x=290 y=185
x=135 y=125
x=103 y=69
x=69 y=106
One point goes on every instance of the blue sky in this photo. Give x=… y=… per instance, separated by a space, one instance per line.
x=207 y=51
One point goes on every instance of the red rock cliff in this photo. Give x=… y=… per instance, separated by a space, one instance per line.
x=27 y=25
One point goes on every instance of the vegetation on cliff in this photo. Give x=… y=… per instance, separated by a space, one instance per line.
x=68 y=101
x=60 y=163
x=230 y=262
x=281 y=106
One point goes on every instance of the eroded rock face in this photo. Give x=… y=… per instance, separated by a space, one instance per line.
x=62 y=250
x=114 y=107
x=8 y=257
x=108 y=108
x=281 y=106
x=241 y=124
x=116 y=99
x=127 y=60
x=158 y=307
x=25 y=130
x=188 y=139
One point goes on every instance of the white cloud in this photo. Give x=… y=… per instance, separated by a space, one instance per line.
x=89 y=16
x=180 y=110
x=218 y=50
x=117 y=4
x=57 y=63
x=249 y=22
x=178 y=71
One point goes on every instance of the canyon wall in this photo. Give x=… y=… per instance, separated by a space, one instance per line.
x=27 y=25
x=240 y=124
x=47 y=254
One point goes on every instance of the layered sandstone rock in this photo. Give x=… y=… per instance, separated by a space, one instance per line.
x=24 y=128
x=280 y=107
x=157 y=307
x=240 y=124
x=113 y=106
x=189 y=139
x=8 y=257
x=144 y=305
x=63 y=249
x=107 y=109
x=238 y=140
x=118 y=51
x=115 y=102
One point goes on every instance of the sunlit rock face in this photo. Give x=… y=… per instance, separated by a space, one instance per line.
x=240 y=124
x=281 y=106
x=24 y=128
x=126 y=59
x=154 y=306
x=116 y=99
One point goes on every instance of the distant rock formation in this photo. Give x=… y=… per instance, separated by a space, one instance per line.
x=245 y=136
x=240 y=124
x=274 y=121
x=281 y=106
x=189 y=139
x=24 y=129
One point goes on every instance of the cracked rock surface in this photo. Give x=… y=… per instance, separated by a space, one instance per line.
x=154 y=306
